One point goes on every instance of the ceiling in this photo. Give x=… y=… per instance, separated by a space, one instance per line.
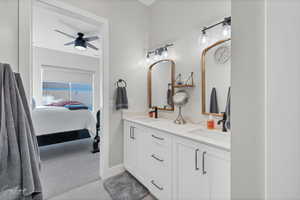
x=45 y=21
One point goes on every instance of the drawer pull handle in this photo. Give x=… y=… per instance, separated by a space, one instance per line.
x=203 y=163
x=156 y=158
x=196 y=159
x=159 y=138
x=153 y=183
x=132 y=132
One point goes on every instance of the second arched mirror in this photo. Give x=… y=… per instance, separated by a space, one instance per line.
x=216 y=78
x=161 y=78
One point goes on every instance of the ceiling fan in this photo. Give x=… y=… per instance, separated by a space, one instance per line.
x=80 y=42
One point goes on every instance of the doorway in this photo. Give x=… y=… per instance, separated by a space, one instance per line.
x=46 y=74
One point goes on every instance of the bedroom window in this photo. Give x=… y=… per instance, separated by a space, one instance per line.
x=67 y=85
x=54 y=92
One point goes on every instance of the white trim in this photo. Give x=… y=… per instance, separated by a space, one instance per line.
x=25 y=47
x=25 y=57
x=267 y=103
x=113 y=171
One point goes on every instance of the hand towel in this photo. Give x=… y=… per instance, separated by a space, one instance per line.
x=121 y=98
x=19 y=153
x=170 y=97
x=214 y=107
x=227 y=109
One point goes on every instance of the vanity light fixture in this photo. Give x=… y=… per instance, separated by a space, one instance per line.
x=159 y=53
x=226 y=29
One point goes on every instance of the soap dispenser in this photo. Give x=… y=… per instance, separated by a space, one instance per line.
x=210 y=122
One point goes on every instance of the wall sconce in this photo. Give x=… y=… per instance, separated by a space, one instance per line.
x=159 y=53
x=226 y=29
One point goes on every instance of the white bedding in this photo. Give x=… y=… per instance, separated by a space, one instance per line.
x=49 y=120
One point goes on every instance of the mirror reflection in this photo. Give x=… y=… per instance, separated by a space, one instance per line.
x=161 y=85
x=216 y=76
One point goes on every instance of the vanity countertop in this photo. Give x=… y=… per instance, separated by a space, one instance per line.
x=191 y=131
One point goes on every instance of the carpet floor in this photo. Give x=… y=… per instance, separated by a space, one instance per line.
x=68 y=166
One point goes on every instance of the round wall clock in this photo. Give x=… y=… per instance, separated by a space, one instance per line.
x=222 y=54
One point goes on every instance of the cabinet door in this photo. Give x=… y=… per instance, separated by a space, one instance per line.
x=191 y=183
x=130 y=147
x=218 y=172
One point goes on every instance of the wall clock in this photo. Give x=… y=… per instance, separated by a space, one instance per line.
x=222 y=54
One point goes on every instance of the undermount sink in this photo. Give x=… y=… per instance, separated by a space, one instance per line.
x=213 y=134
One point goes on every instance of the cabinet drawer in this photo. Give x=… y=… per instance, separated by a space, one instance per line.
x=159 y=139
x=160 y=189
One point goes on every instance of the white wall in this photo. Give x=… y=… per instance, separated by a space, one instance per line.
x=53 y=58
x=248 y=100
x=9 y=33
x=284 y=100
x=181 y=22
x=128 y=39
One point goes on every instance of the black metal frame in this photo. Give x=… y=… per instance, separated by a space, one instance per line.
x=56 y=138
x=226 y=21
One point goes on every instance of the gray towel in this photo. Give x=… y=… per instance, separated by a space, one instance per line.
x=121 y=98
x=19 y=154
x=170 y=97
x=214 y=107
x=227 y=109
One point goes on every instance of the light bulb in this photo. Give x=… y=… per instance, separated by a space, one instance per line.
x=226 y=30
x=165 y=54
x=203 y=38
x=148 y=60
x=80 y=48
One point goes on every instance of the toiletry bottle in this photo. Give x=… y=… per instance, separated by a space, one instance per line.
x=150 y=113
x=210 y=122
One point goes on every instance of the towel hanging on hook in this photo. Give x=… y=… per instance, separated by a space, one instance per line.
x=121 y=95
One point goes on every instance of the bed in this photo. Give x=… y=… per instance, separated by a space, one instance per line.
x=52 y=120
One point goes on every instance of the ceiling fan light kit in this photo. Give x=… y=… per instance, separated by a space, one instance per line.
x=80 y=43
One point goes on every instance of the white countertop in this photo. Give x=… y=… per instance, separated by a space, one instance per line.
x=194 y=132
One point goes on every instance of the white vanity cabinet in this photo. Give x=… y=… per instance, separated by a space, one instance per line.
x=200 y=171
x=131 y=140
x=176 y=168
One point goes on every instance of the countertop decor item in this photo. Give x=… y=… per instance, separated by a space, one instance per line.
x=180 y=99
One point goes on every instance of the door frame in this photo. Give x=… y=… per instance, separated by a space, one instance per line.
x=26 y=69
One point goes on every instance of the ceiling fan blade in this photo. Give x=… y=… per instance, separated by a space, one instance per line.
x=92 y=46
x=65 y=34
x=69 y=43
x=90 y=39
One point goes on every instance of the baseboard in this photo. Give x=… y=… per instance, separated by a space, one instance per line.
x=115 y=170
